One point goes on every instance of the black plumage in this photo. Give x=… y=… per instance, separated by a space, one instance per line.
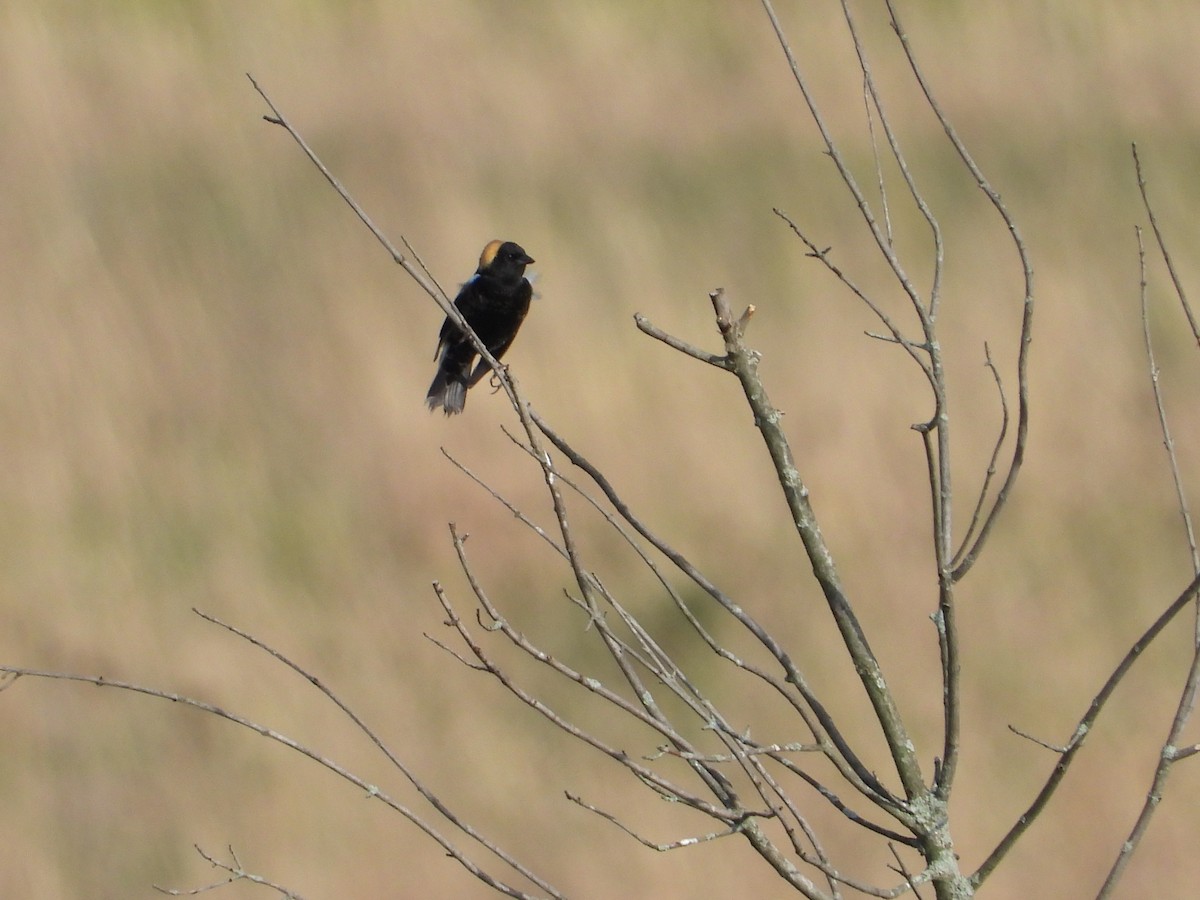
x=494 y=303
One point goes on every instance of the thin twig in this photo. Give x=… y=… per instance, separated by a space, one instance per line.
x=843 y=168
x=676 y=674
x=1082 y=730
x=990 y=472
x=584 y=579
x=926 y=313
x=650 y=563
x=1187 y=699
x=1055 y=748
x=848 y=763
x=1162 y=248
x=1160 y=406
x=236 y=873
x=507 y=504
x=418 y=272
x=795 y=491
x=369 y=790
x=750 y=829
x=772 y=750
x=822 y=255
x=751 y=763
x=969 y=558
x=660 y=847
x=647 y=327
x=445 y=811
x=880 y=185
x=936 y=432
x=903 y=870
x=593 y=685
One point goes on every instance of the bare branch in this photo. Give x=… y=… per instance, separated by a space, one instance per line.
x=1180 y=753
x=1081 y=731
x=1055 y=748
x=927 y=316
x=903 y=870
x=418 y=272
x=847 y=761
x=507 y=504
x=661 y=848
x=752 y=750
x=843 y=168
x=837 y=803
x=1018 y=455
x=236 y=873
x=362 y=726
x=880 y=184
x=1187 y=700
x=990 y=472
x=647 y=776
x=585 y=580
x=822 y=256
x=767 y=419
x=370 y=790
x=1160 y=406
x=647 y=327
x=1162 y=248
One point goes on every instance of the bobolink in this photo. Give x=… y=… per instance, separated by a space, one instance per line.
x=494 y=303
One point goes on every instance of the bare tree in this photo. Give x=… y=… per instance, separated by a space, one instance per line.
x=693 y=750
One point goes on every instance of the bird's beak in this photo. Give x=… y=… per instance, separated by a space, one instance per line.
x=528 y=260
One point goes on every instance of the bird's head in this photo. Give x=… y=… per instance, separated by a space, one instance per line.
x=504 y=260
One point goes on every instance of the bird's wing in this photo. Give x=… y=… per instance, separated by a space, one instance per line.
x=450 y=332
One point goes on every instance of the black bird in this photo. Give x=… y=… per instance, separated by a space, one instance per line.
x=494 y=303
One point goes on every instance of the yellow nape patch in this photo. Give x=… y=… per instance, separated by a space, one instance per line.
x=489 y=253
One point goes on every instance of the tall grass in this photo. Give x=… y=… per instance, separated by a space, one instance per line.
x=213 y=380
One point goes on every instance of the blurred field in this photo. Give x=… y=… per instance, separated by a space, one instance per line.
x=212 y=397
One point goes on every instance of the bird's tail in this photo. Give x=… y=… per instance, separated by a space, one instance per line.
x=449 y=390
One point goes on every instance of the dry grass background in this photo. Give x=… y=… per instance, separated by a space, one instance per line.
x=212 y=397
